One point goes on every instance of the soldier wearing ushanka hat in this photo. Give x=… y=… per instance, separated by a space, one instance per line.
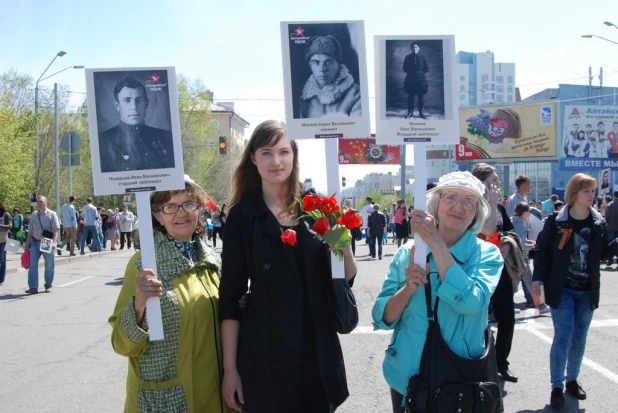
x=330 y=91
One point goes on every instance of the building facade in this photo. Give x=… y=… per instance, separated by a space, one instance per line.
x=482 y=81
x=224 y=121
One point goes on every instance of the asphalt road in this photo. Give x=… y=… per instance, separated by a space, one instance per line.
x=56 y=356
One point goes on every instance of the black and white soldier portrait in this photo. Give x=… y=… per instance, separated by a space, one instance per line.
x=133 y=118
x=325 y=73
x=414 y=79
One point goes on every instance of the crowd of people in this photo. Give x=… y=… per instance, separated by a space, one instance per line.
x=251 y=329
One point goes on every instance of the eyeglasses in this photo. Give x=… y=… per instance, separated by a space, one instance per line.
x=466 y=203
x=188 y=206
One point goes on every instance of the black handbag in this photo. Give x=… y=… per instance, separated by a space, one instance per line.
x=448 y=383
x=344 y=312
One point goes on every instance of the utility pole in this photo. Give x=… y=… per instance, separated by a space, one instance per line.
x=56 y=146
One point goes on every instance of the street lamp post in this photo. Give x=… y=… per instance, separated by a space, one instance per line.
x=590 y=36
x=610 y=24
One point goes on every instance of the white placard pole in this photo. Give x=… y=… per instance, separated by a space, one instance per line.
x=420 y=199
x=332 y=184
x=146 y=242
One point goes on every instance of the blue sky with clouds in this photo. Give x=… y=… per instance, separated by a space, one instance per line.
x=234 y=46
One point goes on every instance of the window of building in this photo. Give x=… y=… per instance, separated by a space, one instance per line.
x=485 y=96
x=500 y=79
x=510 y=98
x=462 y=78
x=499 y=89
x=462 y=97
x=484 y=78
x=509 y=79
x=462 y=87
x=499 y=98
x=509 y=89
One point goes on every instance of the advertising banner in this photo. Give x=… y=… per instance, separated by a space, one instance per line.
x=415 y=80
x=502 y=132
x=589 y=138
x=325 y=79
x=366 y=151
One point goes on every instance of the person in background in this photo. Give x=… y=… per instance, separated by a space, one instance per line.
x=17 y=225
x=523 y=185
x=183 y=372
x=43 y=224
x=347 y=204
x=5 y=229
x=223 y=215
x=112 y=224
x=364 y=213
x=126 y=220
x=70 y=227
x=217 y=225
x=598 y=204
x=26 y=225
x=401 y=224
x=377 y=225
x=103 y=221
x=611 y=218
x=90 y=217
x=559 y=205
x=393 y=225
x=548 y=206
x=521 y=226
x=502 y=303
x=567 y=263
x=463 y=270
x=388 y=225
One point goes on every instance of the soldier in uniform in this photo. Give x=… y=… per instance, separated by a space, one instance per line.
x=132 y=145
x=415 y=66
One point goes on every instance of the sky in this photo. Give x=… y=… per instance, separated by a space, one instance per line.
x=235 y=46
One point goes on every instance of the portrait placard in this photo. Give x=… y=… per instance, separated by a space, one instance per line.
x=134 y=130
x=415 y=80
x=325 y=79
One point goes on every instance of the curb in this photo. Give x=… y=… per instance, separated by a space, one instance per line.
x=62 y=260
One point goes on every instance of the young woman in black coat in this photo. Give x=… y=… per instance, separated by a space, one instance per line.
x=567 y=263
x=281 y=353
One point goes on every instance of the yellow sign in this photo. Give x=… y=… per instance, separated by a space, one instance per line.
x=517 y=131
x=385 y=201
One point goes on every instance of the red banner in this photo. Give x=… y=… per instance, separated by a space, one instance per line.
x=366 y=152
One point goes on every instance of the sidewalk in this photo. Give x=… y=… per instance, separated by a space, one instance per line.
x=13 y=260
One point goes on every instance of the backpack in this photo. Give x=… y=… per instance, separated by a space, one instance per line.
x=514 y=262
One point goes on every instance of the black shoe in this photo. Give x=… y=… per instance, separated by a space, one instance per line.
x=422 y=115
x=530 y=304
x=32 y=291
x=575 y=390
x=557 y=398
x=379 y=257
x=48 y=289
x=409 y=114
x=59 y=252
x=507 y=375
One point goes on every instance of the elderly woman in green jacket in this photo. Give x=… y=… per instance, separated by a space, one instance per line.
x=464 y=273
x=183 y=372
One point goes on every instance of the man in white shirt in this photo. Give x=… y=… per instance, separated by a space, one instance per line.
x=126 y=226
x=364 y=213
x=69 y=222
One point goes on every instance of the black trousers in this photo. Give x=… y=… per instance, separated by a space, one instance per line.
x=504 y=312
x=396 y=400
x=419 y=96
x=215 y=231
x=122 y=238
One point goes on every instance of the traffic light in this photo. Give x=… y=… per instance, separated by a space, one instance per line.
x=222 y=145
x=343 y=181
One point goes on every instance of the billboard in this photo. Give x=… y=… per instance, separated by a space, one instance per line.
x=589 y=138
x=501 y=132
x=366 y=151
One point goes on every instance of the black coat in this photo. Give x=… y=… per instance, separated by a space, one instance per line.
x=551 y=264
x=271 y=326
x=415 y=65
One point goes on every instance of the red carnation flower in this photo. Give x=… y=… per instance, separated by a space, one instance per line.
x=311 y=202
x=329 y=205
x=350 y=219
x=321 y=226
x=289 y=237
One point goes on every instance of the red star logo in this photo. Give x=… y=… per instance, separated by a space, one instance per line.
x=155 y=78
x=300 y=32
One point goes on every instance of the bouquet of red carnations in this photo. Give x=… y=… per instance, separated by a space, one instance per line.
x=330 y=223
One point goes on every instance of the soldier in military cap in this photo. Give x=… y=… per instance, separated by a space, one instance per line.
x=132 y=145
x=330 y=91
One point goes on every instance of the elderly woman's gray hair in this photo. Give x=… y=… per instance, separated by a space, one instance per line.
x=460 y=180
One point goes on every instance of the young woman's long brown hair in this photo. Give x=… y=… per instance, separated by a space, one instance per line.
x=246 y=176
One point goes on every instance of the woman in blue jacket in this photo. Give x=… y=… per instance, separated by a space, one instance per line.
x=464 y=273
